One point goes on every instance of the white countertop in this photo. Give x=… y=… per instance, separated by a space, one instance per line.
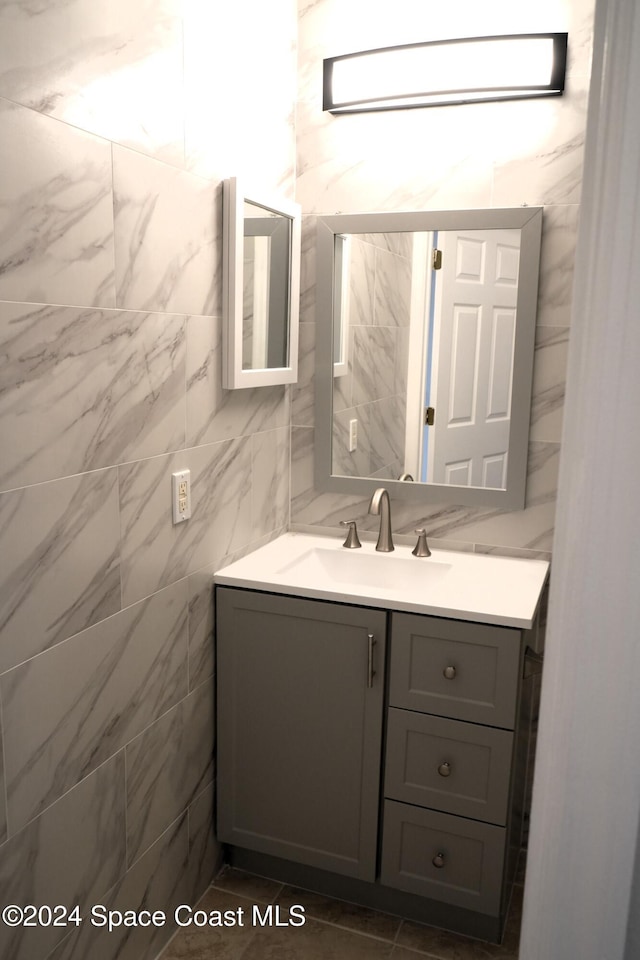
x=461 y=586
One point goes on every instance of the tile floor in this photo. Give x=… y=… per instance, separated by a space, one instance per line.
x=333 y=930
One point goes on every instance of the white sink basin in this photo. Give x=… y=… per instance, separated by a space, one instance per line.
x=463 y=586
x=356 y=568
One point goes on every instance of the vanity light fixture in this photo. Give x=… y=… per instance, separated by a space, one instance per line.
x=442 y=72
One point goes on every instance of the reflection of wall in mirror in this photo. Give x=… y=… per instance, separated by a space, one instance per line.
x=374 y=390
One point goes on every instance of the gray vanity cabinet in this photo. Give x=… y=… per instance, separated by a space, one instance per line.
x=300 y=712
x=396 y=784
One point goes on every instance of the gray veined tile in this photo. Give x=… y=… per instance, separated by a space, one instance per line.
x=205 y=851
x=3 y=795
x=549 y=377
x=56 y=212
x=392 y=290
x=72 y=854
x=201 y=626
x=550 y=172
x=94 y=693
x=362 y=272
x=59 y=566
x=83 y=389
x=214 y=413
x=302 y=392
x=270 y=481
x=374 y=361
x=168 y=227
x=168 y=766
x=158 y=881
x=156 y=552
x=557 y=260
x=115 y=69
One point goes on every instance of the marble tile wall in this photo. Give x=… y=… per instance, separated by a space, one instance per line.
x=117 y=123
x=485 y=155
x=373 y=391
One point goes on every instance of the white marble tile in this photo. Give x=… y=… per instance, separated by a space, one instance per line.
x=270 y=481
x=168 y=766
x=392 y=290
x=217 y=414
x=155 y=552
x=205 y=852
x=545 y=166
x=362 y=279
x=387 y=161
x=59 y=564
x=308 y=269
x=303 y=392
x=84 y=389
x=113 y=69
x=70 y=855
x=168 y=226
x=201 y=626
x=56 y=212
x=3 y=795
x=308 y=505
x=549 y=377
x=557 y=260
x=159 y=880
x=94 y=693
x=531 y=528
x=374 y=363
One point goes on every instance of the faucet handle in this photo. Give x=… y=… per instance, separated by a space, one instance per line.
x=352 y=540
x=421 y=548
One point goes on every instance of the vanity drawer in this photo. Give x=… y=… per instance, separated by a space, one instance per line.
x=446 y=858
x=467 y=671
x=461 y=768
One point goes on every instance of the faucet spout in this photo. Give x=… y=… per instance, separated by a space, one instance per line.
x=380 y=505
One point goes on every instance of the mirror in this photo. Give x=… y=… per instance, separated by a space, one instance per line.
x=260 y=289
x=425 y=343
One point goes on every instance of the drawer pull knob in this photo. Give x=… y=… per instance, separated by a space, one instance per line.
x=438 y=861
x=449 y=673
x=445 y=769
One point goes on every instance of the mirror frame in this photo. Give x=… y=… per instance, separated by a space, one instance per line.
x=234 y=376
x=529 y=221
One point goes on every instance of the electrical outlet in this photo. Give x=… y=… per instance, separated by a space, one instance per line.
x=181 y=495
x=353 y=435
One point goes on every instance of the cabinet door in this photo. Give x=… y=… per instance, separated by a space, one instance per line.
x=300 y=694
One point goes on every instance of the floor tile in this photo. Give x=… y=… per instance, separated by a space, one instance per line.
x=247 y=885
x=341 y=913
x=315 y=941
x=223 y=943
x=451 y=946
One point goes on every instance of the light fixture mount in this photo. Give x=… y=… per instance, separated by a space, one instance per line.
x=445 y=72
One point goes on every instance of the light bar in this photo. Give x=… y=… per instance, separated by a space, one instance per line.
x=444 y=72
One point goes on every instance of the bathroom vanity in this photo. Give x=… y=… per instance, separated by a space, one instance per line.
x=373 y=723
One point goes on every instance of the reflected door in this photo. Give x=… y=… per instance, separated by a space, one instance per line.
x=476 y=295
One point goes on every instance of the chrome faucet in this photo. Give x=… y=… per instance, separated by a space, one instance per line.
x=380 y=506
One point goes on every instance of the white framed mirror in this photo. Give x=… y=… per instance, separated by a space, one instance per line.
x=260 y=288
x=424 y=354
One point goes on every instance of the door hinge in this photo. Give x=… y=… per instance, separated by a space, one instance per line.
x=429 y=416
x=437 y=259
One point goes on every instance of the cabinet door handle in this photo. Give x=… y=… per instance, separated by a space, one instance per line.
x=370 y=671
x=444 y=769
x=438 y=861
x=449 y=673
